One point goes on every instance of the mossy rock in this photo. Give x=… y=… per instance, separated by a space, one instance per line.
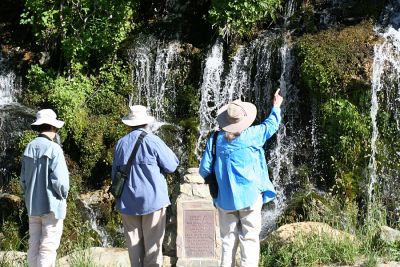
x=337 y=61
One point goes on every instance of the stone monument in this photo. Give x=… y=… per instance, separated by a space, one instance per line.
x=197 y=242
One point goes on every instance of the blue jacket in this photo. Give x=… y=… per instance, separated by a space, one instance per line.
x=145 y=190
x=240 y=165
x=44 y=178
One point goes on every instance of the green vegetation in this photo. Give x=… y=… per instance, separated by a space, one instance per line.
x=337 y=61
x=88 y=82
x=88 y=32
x=345 y=144
x=241 y=16
x=82 y=259
x=6 y=260
x=309 y=250
x=360 y=241
x=335 y=68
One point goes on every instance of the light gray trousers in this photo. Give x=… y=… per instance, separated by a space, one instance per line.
x=241 y=228
x=44 y=239
x=144 y=236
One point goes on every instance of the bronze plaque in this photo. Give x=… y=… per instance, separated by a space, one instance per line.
x=199 y=233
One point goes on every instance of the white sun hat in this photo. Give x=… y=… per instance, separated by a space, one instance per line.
x=47 y=116
x=137 y=116
x=236 y=116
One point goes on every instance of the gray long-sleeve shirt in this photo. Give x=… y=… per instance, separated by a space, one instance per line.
x=44 y=178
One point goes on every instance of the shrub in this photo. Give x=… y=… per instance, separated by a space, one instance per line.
x=87 y=31
x=309 y=250
x=241 y=16
x=344 y=142
x=336 y=61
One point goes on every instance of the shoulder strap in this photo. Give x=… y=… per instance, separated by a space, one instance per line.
x=135 y=149
x=214 y=147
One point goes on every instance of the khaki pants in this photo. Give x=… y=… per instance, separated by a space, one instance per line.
x=144 y=236
x=44 y=239
x=241 y=228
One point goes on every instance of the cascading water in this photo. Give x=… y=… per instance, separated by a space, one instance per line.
x=92 y=214
x=282 y=155
x=385 y=99
x=250 y=76
x=152 y=61
x=218 y=89
x=13 y=118
x=238 y=77
x=210 y=92
x=10 y=84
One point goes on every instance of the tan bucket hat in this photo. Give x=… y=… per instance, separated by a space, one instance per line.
x=236 y=116
x=137 y=116
x=47 y=116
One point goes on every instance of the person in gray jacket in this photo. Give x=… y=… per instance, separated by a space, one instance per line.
x=45 y=183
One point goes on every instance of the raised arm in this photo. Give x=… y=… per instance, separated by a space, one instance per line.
x=270 y=125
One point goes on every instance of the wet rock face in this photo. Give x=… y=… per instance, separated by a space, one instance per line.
x=349 y=11
x=14 y=119
x=391 y=15
x=331 y=13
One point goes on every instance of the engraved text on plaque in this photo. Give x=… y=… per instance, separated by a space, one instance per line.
x=199 y=233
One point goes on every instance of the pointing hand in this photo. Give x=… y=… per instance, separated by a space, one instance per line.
x=277 y=99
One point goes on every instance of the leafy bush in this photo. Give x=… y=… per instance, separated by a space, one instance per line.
x=26 y=137
x=91 y=107
x=336 y=62
x=68 y=97
x=88 y=31
x=65 y=95
x=113 y=87
x=344 y=144
x=39 y=86
x=241 y=16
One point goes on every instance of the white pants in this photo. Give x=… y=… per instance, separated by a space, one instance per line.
x=144 y=236
x=241 y=228
x=44 y=239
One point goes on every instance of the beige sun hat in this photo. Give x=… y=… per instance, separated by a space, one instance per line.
x=137 y=116
x=236 y=116
x=47 y=116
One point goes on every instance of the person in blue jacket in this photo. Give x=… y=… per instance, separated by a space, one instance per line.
x=241 y=171
x=145 y=195
x=45 y=184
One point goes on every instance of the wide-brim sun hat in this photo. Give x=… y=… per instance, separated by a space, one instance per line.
x=137 y=116
x=47 y=116
x=236 y=116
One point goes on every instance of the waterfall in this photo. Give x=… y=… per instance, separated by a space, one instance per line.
x=13 y=118
x=250 y=77
x=152 y=61
x=376 y=86
x=211 y=99
x=282 y=155
x=91 y=215
x=385 y=93
x=9 y=84
x=238 y=78
x=290 y=8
